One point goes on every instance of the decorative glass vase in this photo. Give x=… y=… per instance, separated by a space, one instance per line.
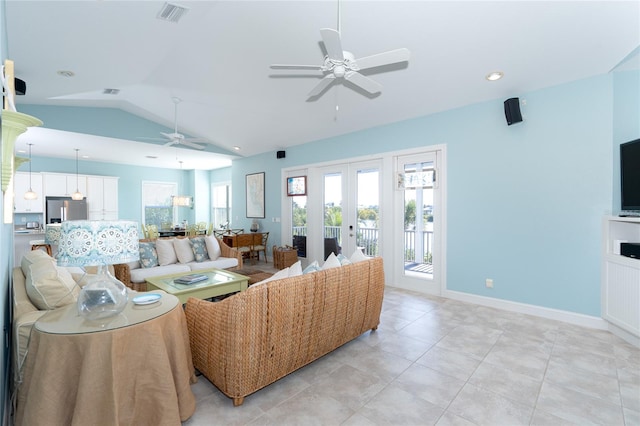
x=102 y=295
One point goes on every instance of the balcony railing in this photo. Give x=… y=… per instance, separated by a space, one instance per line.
x=367 y=239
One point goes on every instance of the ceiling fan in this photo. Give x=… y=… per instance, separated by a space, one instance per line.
x=176 y=138
x=339 y=64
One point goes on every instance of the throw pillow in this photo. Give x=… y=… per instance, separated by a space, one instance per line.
x=331 y=262
x=213 y=247
x=31 y=257
x=358 y=256
x=283 y=273
x=199 y=248
x=313 y=267
x=148 y=255
x=295 y=269
x=50 y=287
x=166 y=252
x=183 y=250
x=343 y=260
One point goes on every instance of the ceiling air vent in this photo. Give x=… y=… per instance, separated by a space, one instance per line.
x=172 y=12
x=110 y=91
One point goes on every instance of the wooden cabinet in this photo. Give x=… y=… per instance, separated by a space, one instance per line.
x=63 y=185
x=21 y=185
x=621 y=277
x=102 y=197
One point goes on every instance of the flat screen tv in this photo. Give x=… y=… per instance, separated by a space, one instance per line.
x=630 y=175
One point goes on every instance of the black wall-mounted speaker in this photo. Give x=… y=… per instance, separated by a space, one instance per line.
x=280 y=154
x=20 y=85
x=512 y=111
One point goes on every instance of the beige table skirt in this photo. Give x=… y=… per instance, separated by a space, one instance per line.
x=136 y=375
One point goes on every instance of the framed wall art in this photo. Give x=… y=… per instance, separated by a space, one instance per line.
x=255 y=195
x=296 y=185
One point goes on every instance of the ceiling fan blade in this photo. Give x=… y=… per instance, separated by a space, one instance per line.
x=363 y=82
x=385 y=58
x=295 y=67
x=332 y=43
x=198 y=140
x=324 y=83
x=192 y=145
x=170 y=143
x=170 y=136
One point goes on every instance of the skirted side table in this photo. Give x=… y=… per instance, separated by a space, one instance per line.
x=135 y=369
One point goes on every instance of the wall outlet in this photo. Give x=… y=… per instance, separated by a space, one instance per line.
x=488 y=282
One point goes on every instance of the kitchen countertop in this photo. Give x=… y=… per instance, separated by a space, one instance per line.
x=28 y=232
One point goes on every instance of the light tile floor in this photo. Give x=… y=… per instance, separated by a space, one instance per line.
x=436 y=361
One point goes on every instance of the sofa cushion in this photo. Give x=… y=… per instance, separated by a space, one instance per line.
x=220 y=263
x=344 y=260
x=213 y=247
x=148 y=254
x=166 y=252
x=31 y=257
x=50 y=287
x=199 y=248
x=183 y=250
x=313 y=267
x=141 y=274
x=358 y=256
x=331 y=262
x=281 y=274
x=295 y=269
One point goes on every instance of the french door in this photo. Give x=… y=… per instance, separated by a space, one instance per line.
x=351 y=207
x=417 y=209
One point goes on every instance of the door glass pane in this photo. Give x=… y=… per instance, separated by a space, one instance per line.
x=333 y=206
x=299 y=224
x=368 y=211
x=418 y=218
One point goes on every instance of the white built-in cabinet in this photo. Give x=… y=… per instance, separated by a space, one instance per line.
x=63 y=185
x=621 y=276
x=22 y=183
x=102 y=197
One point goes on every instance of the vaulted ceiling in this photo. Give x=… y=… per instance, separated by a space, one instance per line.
x=217 y=58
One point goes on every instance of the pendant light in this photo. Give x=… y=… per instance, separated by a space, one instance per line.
x=181 y=200
x=77 y=195
x=30 y=194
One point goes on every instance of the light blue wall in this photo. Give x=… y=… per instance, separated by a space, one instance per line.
x=525 y=202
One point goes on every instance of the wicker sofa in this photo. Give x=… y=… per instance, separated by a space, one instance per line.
x=256 y=337
x=133 y=275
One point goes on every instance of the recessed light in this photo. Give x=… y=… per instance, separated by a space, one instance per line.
x=66 y=73
x=153 y=157
x=237 y=148
x=496 y=75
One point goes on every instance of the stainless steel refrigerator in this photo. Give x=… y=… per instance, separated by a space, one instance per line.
x=60 y=209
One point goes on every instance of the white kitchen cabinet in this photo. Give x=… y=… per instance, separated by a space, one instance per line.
x=102 y=197
x=22 y=185
x=621 y=278
x=63 y=185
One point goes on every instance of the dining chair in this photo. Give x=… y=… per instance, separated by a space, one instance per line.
x=244 y=244
x=261 y=245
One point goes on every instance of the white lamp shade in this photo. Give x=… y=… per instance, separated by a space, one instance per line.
x=52 y=233
x=182 y=200
x=97 y=242
x=30 y=195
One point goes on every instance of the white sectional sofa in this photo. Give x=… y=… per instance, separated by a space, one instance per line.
x=165 y=256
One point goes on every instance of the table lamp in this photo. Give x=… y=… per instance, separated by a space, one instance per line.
x=99 y=243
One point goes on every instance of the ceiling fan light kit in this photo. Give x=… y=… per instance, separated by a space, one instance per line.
x=343 y=65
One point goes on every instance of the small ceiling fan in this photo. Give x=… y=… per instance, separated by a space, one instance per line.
x=176 y=138
x=340 y=64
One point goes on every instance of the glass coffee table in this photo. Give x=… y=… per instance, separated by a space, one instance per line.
x=218 y=283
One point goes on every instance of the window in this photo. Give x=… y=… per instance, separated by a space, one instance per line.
x=156 y=203
x=221 y=196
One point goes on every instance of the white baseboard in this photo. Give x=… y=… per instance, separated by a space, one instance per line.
x=523 y=308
